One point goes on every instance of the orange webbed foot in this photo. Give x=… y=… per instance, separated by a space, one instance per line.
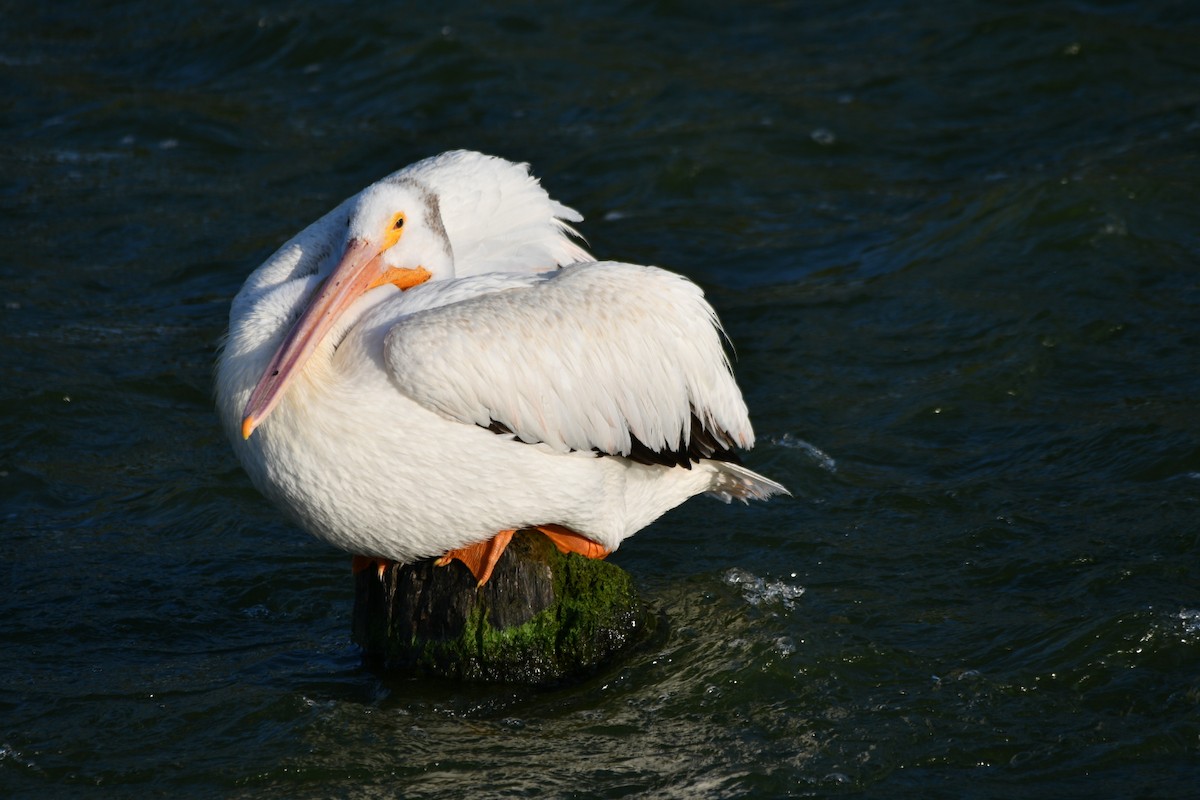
x=481 y=557
x=360 y=563
x=568 y=541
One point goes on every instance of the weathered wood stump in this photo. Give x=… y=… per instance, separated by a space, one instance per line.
x=543 y=616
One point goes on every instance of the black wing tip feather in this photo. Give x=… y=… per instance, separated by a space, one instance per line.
x=703 y=443
x=497 y=427
x=712 y=444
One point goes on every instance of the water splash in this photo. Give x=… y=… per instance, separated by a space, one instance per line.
x=1190 y=617
x=12 y=754
x=819 y=456
x=759 y=591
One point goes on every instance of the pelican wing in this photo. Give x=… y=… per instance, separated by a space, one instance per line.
x=616 y=358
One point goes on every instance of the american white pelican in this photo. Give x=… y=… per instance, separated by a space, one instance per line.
x=413 y=375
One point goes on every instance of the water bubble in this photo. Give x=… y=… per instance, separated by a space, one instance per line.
x=823 y=136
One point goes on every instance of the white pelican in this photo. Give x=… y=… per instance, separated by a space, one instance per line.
x=436 y=363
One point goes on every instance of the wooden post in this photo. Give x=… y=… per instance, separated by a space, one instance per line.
x=543 y=616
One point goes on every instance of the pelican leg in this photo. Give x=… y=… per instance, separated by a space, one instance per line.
x=359 y=563
x=480 y=558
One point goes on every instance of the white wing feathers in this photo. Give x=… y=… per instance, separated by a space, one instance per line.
x=603 y=356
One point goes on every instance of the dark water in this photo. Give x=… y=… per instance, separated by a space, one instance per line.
x=955 y=243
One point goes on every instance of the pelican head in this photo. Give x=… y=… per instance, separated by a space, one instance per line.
x=394 y=235
x=400 y=222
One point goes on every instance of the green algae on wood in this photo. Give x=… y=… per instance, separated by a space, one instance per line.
x=543 y=616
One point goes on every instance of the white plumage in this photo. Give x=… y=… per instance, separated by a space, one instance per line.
x=411 y=375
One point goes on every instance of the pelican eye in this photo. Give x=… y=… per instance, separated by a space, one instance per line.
x=392 y=233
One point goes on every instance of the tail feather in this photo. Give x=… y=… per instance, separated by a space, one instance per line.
x=732 y=481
